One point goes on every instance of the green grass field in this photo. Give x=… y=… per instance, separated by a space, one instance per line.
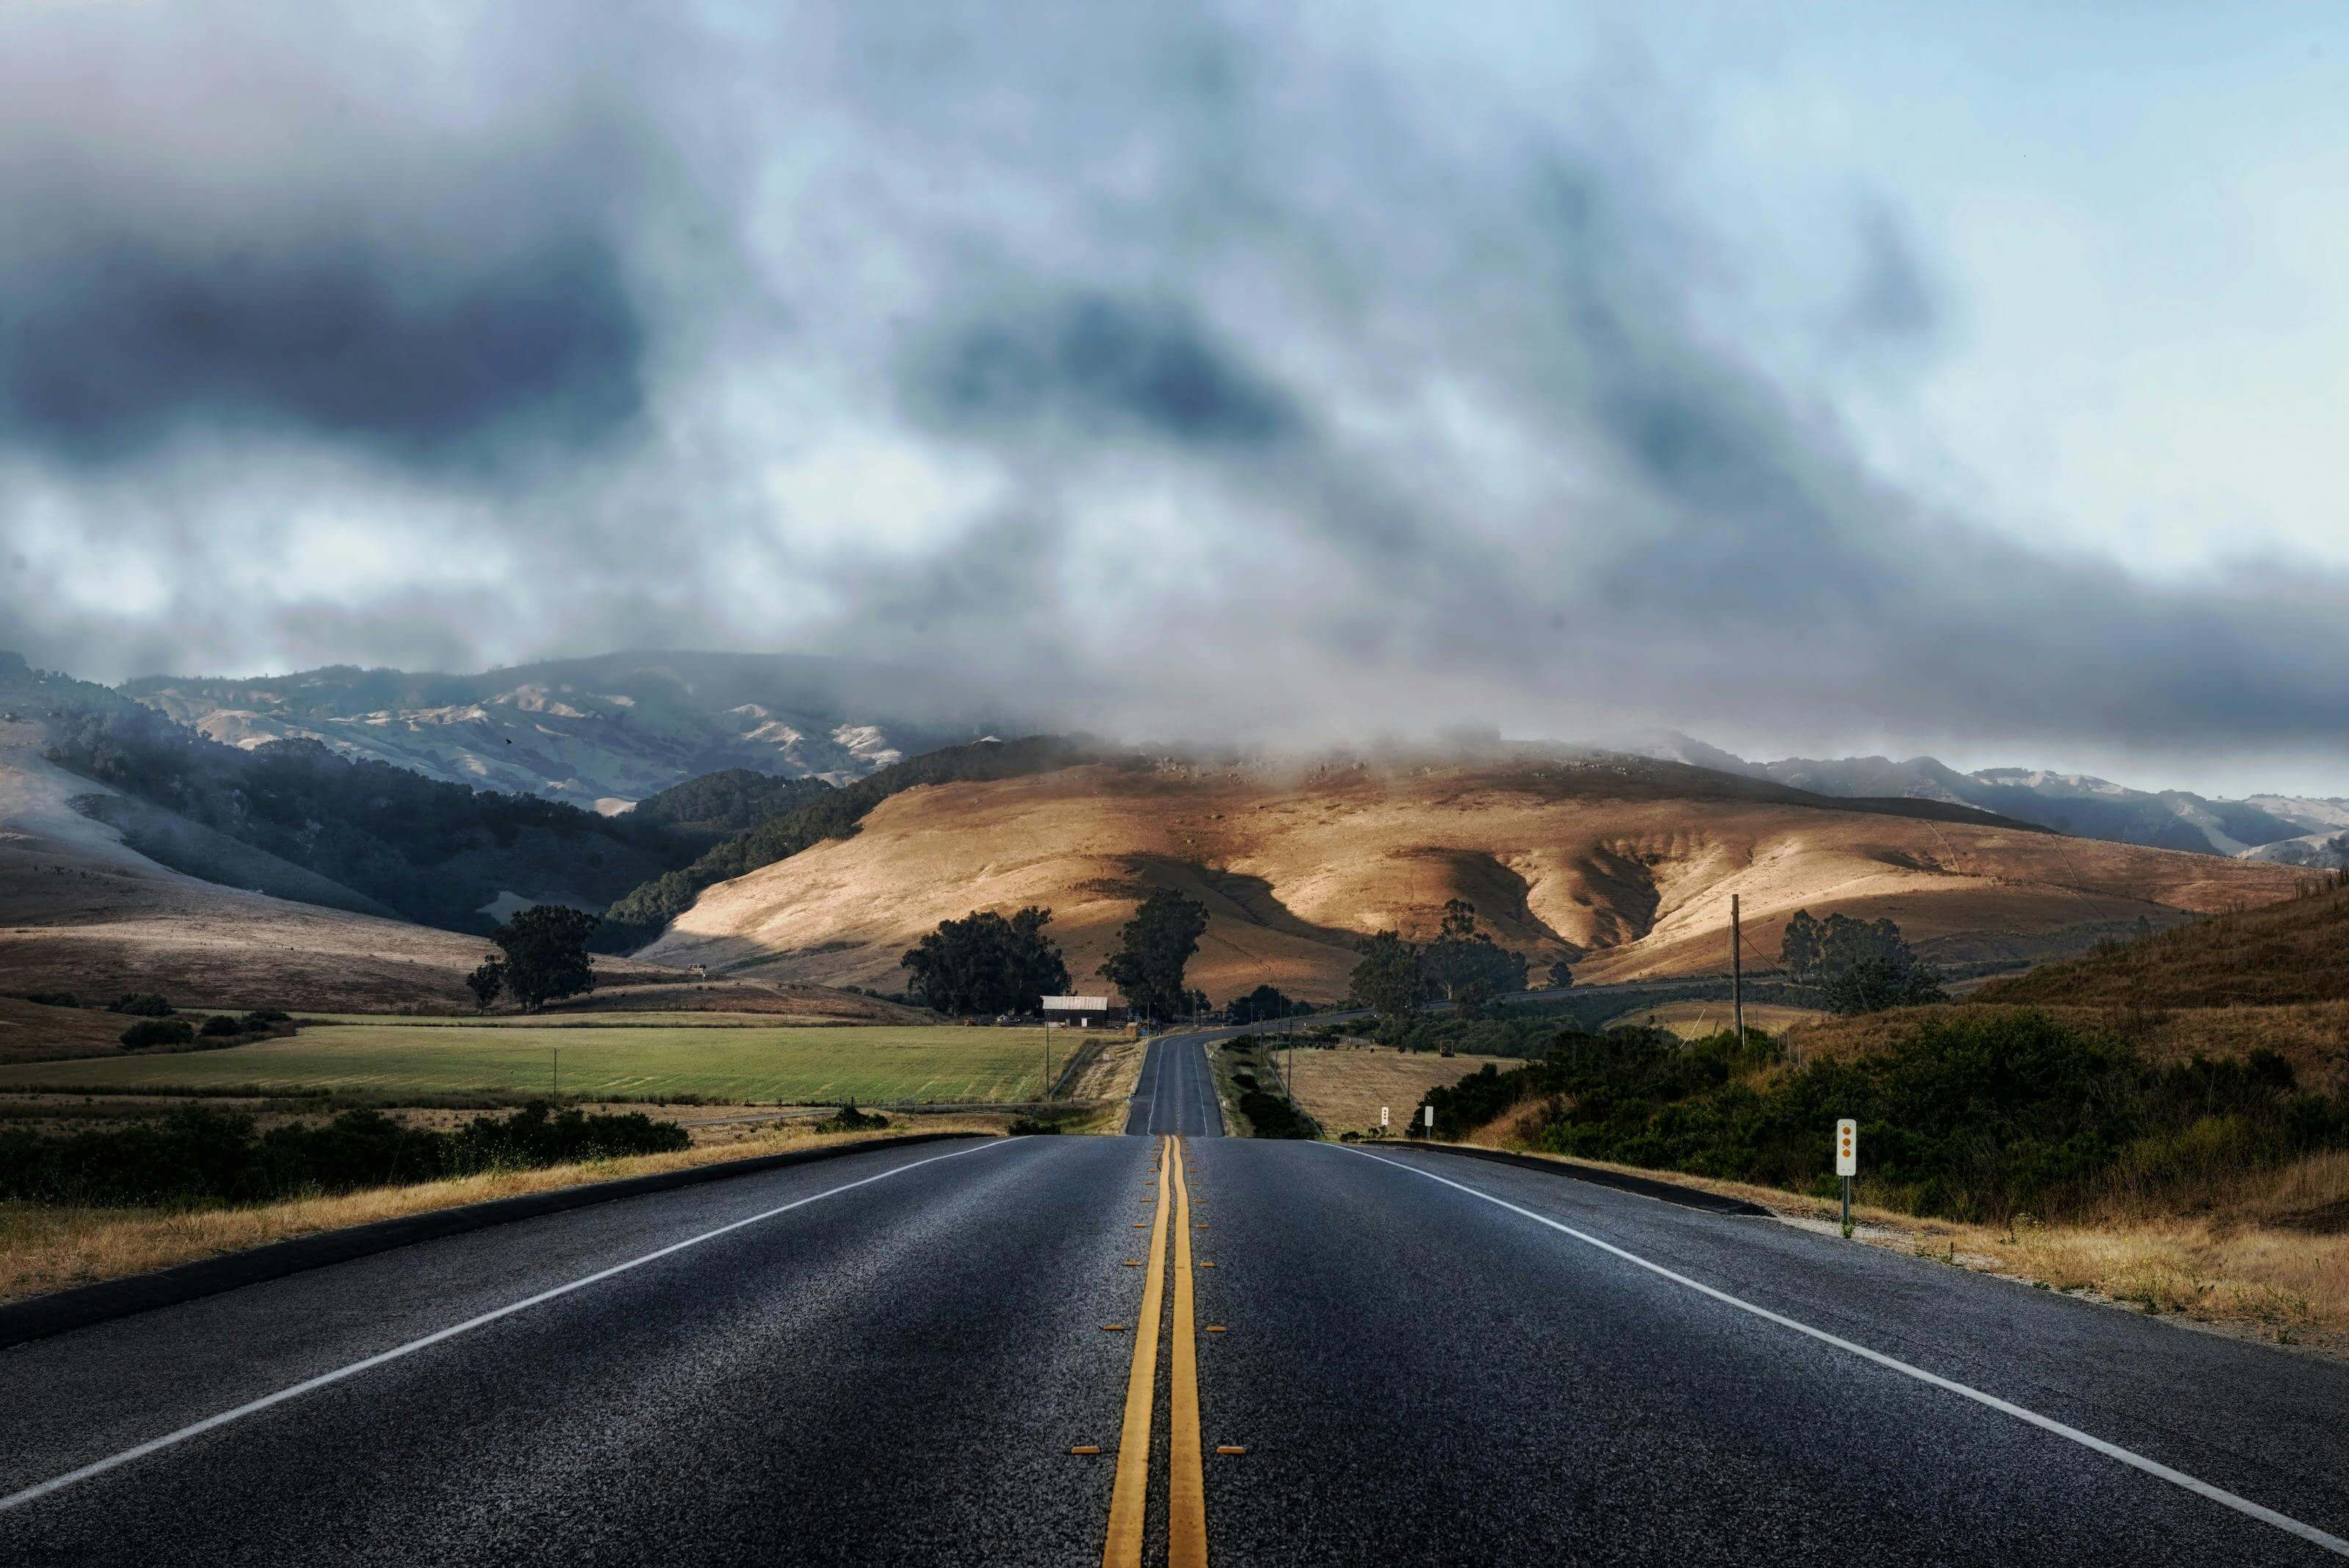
x=818 y=1065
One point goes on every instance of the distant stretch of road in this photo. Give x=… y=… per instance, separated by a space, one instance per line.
x=1038 y=1350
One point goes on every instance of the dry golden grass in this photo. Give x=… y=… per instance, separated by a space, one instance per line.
x=1698 y=1019
x=44 y=1248
x=2312 y=1036
x=2240 y=1272
x=1633 y=864
x=2294 y=951
x=1343 y=1089
x=1112 y=1071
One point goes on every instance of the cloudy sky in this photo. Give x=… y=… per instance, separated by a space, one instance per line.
x=1814 y=379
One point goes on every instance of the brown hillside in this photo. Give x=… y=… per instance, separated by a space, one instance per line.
x=2296 y=952
x=1624 y=867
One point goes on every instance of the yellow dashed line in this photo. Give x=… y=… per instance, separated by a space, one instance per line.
x=1130 y=1496
x=1186 y=1488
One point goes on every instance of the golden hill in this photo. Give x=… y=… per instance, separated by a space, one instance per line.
x=1624 y=867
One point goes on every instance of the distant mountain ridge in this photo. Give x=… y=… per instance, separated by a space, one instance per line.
x=601 y=732
x=2287 y=830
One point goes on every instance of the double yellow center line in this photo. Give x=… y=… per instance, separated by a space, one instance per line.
x=1186 y=1493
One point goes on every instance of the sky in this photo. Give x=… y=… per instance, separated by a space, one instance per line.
x=1815 y=379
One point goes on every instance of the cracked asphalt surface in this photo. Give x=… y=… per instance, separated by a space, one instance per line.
x=896 y=1371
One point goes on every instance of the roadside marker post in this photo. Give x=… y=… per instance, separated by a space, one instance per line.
x=1431 y=1120
x=1382 y=1116
x=1846 y=1157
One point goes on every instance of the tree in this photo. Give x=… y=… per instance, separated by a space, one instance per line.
x=545 y=949
x=1864 y=968
x=1390 y=976
x=985 y=963
x=1560 y=976
x=1466 y=964
x=487 y=978
x=1800 y=948
x=1154 y=949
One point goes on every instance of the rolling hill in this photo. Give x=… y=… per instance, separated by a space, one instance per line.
x=601 y=732
x=1623 y=866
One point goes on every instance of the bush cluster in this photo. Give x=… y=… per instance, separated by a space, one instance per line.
x=200 y=1156
x=1272 y=1116
x=1970 y=1118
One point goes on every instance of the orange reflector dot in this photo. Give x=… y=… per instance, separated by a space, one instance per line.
x=1086 y=1449
x=1214 y=1328
x=1207 y=1265
x=1112 y=1328
x=1229 y=1449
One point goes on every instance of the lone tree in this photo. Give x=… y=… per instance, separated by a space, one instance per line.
x=486 y=981
x=545 y=949
x=1152 y=950
x=1561 y=977
x=985 y=963
x=1859 y=967
x=1390 y=976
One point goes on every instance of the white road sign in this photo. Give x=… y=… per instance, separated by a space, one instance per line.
x=1076 y=1004
x=1382 y=1116
x=1431 y=1118
x=1846 y=1147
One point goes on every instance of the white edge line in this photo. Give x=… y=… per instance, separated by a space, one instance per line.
x=2243 y=1505
x=154 y=1445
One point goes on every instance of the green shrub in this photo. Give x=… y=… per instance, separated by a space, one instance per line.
x=848 y=1118
x=1968 y=1118
x=140 y=1004
x=222 y=1024
x=200 y=1156
x=149 y=1032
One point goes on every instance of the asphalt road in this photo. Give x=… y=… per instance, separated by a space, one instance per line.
x=889 y=1356
x=1176 y=1093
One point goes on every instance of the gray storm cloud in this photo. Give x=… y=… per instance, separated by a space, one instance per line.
x=1196 y=370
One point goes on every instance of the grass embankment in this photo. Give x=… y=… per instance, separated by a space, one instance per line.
x=48 y=1249
x=389 y=1061
x=1248 y=1073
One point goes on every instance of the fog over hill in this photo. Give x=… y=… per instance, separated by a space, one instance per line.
x=2289 y=830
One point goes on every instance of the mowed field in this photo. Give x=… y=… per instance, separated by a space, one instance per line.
x=750 y=1065
x=1343 y=1089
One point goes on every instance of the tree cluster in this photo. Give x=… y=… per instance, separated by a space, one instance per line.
x=1462 y=965
x=1266 y=1004
x=984 y=963
x=1859 y=966
x=542 y=957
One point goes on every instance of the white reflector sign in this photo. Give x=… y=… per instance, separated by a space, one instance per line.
x=1846 y=1147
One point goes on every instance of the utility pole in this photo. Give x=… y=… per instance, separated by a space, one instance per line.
x=1046 y=1093
x=1736 y=972
x=558 y=1072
